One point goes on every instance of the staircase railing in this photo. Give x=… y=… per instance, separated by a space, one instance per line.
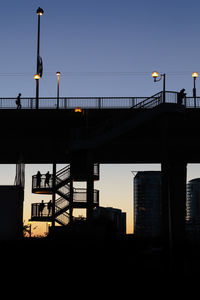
x=150 y=102
x=62 y=189
x=80 y=195
x=64 y=173
x=62 y=203
x=63 y=219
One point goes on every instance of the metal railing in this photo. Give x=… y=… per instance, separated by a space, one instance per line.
x=64 y=173
x=41 y=184
x=80 y=195
x=40 y=211
x=63 y=218
x=72 y=102
x=161 y=97
x=99 y=102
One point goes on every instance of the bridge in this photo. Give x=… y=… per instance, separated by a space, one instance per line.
x=109 y=130
x=98 y=102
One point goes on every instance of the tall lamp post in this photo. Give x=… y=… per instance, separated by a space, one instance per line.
x=40 y=12
x=194 y=75
x=155 y=75
x=58 y=75
x=37 y=77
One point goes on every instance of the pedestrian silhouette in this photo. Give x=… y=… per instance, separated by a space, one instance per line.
x=18 y=101
x=41 y=207
x=181 y=96
x=49 y=207
x=47 y=178
x=38 y=179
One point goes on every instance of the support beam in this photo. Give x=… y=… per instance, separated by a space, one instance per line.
x=71 y=201
x=173 y=210
x=90 y=189
x=53 y=195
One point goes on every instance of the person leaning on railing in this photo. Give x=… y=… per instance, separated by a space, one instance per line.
x=181 y=96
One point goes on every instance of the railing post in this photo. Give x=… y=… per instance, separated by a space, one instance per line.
x=53 y=195
x=195 y=102
x=71 y=201
x=90 y=188
x=133 y=102
x=99 y=103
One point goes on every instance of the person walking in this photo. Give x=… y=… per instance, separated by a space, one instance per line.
x=18 y=101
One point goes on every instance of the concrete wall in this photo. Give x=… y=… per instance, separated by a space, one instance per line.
x=11 y=212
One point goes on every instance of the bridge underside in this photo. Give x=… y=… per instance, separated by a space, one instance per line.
x=112 y=136
x=167 y=134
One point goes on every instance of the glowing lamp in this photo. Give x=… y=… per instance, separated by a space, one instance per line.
x=40 y=11
x=195 y=74
x=154 y=74
x=58 y=73
x=36 y=76
x=78 y=109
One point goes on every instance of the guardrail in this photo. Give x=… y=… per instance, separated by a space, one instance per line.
x=72 y=102
x=99 y=102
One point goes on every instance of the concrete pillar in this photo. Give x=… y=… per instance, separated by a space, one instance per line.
x=90 y=188
x=71 y=201
x=53 y=194
x=173 y=210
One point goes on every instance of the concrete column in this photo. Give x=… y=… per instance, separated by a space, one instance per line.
x=71 y=201
x=53 y=195
x=90 y=188
x=173 y=209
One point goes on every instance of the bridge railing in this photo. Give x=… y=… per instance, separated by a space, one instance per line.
x=71 y=103
x=192 y=102
x=99 y=102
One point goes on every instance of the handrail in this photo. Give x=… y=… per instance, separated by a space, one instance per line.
x=142 y=103
x=97 y=102
x=72 y=102
x=63 y=170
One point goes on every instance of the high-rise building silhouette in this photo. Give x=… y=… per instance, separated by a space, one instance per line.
x=147 y=203
x=193 y=209
x=193 y=201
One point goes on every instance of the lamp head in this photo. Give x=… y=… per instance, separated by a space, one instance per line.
x=40 y=11
x=58 y=73
x=154 y=75
x=36 y=76
x=78 y=109
x=195 y=74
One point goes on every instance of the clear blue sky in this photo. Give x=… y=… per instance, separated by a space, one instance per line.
x=101 y=48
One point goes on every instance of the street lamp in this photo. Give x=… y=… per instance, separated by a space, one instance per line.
x=157 y=77
x=194 y=75
x=39 y=12
x=58 y=75
x=78 y=110
x=37 y=77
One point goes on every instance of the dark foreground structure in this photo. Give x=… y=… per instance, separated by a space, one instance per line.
x=153 y=130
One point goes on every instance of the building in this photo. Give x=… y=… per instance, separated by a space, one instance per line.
x=11 y=212
x=193 y=209
x=147 y=204
x=115 y=216
x=11 y=203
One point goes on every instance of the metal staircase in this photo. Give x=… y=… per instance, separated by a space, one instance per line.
x=62 y=204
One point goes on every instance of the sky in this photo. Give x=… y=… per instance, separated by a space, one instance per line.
x=102 y=48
